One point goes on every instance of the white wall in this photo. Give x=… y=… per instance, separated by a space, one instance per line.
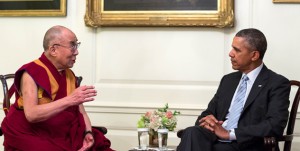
x=136 y=69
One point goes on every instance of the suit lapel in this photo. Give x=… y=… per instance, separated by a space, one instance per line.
x=230 y=92
x=257 y=86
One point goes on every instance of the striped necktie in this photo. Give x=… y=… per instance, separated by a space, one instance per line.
x=237 y=105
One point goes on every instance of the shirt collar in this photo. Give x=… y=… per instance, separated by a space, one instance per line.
x=252 y=75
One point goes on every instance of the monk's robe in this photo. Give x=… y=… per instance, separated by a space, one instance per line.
x=62 y=132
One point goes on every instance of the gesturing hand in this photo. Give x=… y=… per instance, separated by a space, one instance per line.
x=83 y=94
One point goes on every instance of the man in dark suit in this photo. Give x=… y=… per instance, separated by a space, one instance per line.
x=264 y=103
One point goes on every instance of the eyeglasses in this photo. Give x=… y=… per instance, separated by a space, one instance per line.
x=74 y=46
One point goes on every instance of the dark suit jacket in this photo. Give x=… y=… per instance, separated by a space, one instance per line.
x=265 y=112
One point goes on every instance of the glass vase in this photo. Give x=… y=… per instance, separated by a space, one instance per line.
x=153 y=138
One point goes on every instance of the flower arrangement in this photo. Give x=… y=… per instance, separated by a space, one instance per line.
x=160 y=118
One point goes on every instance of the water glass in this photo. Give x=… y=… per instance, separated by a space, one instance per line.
x=143 y=138
x=162 y=139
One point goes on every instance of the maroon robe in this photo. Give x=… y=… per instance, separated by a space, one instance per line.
x=62 y=132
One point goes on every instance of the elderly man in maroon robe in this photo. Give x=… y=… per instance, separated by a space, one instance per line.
x=48 y=114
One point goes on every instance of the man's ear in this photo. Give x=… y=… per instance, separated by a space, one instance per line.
x=256 y=55
x=52 y=50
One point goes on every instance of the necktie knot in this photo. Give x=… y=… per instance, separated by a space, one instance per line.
x=245 y=78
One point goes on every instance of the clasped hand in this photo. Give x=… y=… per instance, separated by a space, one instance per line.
x=211 y=123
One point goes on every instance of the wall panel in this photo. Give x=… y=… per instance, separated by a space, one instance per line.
x=141 y=68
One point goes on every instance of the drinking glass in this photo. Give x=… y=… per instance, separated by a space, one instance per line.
x=143 y=138
x=162 y=139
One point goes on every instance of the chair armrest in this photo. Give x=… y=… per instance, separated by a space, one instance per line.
x=272 y=142
x=286 y=138
x=179 y=133
x=101 y=129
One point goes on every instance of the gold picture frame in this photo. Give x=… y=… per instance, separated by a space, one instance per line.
x=33 y=7
x=98 y=14
x=286 y=1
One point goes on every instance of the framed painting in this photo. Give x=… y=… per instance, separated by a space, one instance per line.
x=286 y=1
x=211 y=13
x=33 y=7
